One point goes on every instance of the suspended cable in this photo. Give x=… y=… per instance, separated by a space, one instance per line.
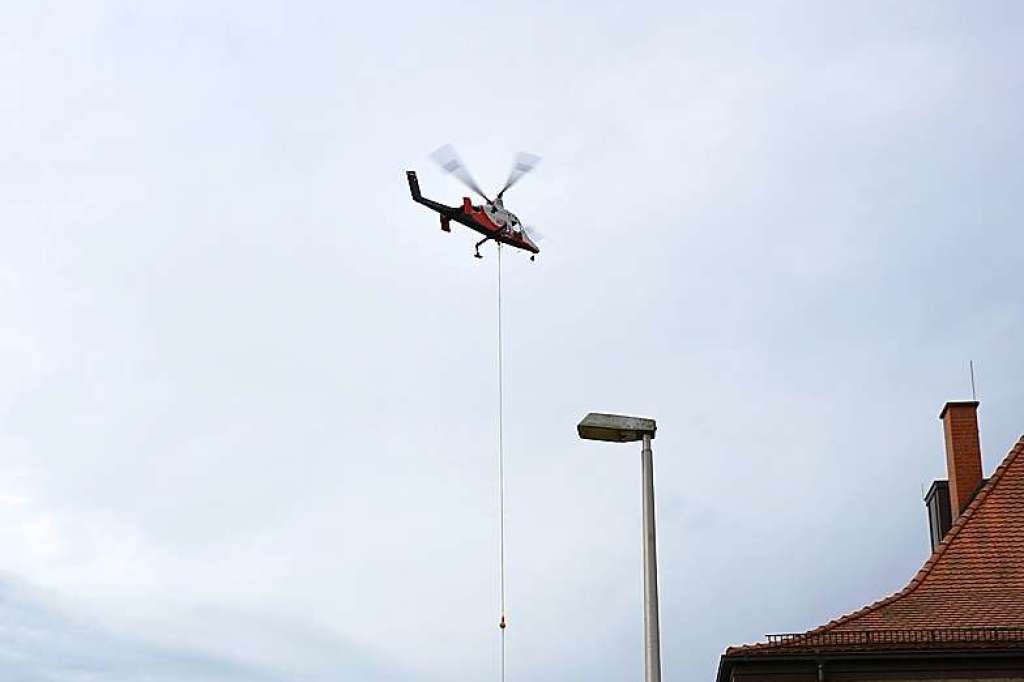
x=501 y=484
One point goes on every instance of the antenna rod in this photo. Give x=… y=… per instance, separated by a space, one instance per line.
x=974 y=392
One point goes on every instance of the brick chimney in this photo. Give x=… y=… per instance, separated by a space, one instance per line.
x=963 y=452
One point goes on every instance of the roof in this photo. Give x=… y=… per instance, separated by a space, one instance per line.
x=970 y=589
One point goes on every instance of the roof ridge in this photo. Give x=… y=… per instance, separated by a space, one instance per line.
x=922 y=573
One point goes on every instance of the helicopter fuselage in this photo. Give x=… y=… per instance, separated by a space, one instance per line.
x=493 y=220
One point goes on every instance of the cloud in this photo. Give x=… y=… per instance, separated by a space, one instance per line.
x=42 y=644
x=248 y=424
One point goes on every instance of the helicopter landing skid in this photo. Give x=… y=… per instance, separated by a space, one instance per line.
x=478 y=245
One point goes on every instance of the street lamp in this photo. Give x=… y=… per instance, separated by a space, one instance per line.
x=619 y=429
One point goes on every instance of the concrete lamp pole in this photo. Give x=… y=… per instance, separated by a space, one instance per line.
x=619 y=429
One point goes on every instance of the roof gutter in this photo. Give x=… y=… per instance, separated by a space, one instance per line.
x=726 y=663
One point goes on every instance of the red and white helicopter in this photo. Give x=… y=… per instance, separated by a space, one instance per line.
x=492 y=219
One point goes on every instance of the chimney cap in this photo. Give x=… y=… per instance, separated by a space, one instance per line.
x=957 y=403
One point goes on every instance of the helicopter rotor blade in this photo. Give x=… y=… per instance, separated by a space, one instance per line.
x=448 y=159
x=525 y=162
x=533 y=234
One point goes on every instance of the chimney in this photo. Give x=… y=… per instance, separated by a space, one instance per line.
x=947 y=499
x=963 y=452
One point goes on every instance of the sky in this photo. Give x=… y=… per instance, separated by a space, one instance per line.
x=249 y=388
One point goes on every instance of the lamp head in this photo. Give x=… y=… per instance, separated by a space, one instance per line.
x=615 y=428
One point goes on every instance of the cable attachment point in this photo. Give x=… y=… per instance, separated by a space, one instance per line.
x=502 y=623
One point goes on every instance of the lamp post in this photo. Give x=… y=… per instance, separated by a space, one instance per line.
x=620 y=429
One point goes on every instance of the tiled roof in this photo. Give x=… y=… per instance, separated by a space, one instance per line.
x=973 y=579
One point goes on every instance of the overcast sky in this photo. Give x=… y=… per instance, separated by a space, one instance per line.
x=248 y=405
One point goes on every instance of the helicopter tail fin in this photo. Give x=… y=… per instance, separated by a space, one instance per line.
x=414 y=185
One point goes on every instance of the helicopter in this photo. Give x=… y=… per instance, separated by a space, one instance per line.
x=492 y=219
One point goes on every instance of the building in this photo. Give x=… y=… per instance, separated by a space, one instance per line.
x=960 y=618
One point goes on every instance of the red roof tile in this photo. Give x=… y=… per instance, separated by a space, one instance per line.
x=973 y=579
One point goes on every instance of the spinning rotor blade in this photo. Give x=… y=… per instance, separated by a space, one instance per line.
x=524 y=164
x=533 y=234
x=449 y=161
